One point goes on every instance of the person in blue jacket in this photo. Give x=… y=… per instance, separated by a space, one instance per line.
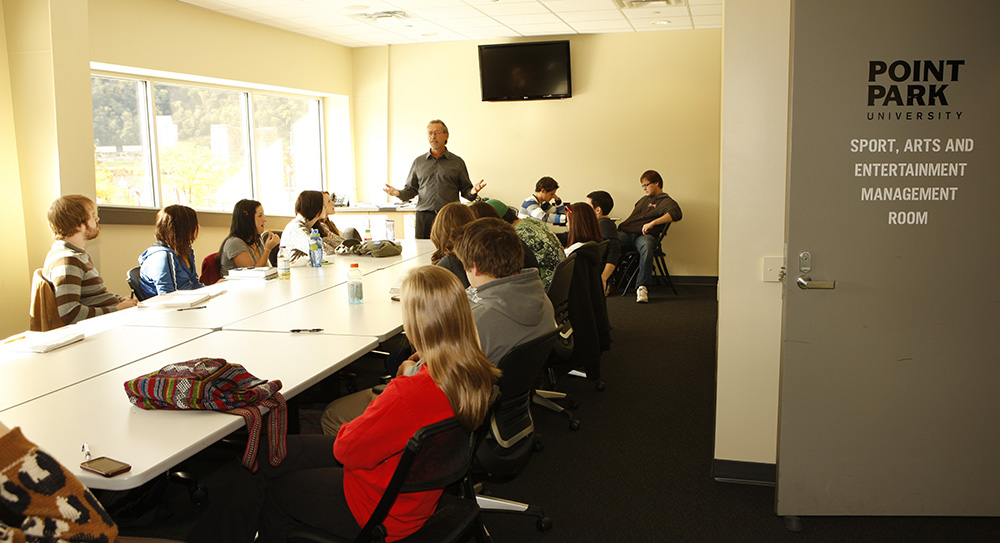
x=169 y=264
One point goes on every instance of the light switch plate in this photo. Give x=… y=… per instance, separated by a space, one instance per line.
x=772 y=269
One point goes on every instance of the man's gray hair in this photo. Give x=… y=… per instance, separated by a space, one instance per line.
x=440 y=122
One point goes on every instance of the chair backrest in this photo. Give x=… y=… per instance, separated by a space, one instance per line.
x=135 y=283
x=272 y=257
x=558 y=293
x=603 y=249
x=505 y=449
x=43 y=314
x=437 y=455
x=210 y=273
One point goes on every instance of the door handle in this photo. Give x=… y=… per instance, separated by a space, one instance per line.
x=806 y=282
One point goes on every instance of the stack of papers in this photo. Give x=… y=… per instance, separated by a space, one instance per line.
x=253 y=273
x=176 y=299
x=43 y=342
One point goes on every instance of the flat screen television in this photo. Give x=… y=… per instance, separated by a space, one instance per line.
x=525 y=71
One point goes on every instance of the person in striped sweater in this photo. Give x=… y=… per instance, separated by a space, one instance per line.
x=79 y=290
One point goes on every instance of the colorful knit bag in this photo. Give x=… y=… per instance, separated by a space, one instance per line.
x=214 y=384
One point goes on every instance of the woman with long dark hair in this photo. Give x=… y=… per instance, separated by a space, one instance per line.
x=248 y=243
x=583 y=226
x=334 y=483
x=169 y=264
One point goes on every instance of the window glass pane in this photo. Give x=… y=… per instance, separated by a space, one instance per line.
x=201 y=140
x=121 y=142
x=287 y=148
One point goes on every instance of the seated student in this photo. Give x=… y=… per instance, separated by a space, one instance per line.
x=335 y=483
x=602 y=202
x=248 y=244
x=332 y=236
x=649 y=217
x=538 y=238
x=481 y=209
x=508 y=303
x=449 y=218
x=169 y=264
x=583 y=226
x=79 y=289
x=308 y=211
x=544 y=205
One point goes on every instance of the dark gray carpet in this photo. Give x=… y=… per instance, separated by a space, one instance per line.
x=639 y=469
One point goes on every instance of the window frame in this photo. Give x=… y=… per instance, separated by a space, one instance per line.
x=145 y=215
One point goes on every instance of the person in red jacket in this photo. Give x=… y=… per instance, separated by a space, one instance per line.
x=335 y=483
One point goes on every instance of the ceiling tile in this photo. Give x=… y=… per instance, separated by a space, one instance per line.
x=562 y=6
x=593 y=15
x=513 y=8
x=595 y=27
x=535 y=18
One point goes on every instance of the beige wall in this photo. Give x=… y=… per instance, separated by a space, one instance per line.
x=14 y=282
x=752 y=205
x=640 y=101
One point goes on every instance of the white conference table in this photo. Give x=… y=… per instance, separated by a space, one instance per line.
x=246 y=298
x=98 y=412
x=329 y=310
x=27 y=376
x=87 y=403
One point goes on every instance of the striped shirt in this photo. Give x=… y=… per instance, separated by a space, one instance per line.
x=79 y=289
x=550 y=212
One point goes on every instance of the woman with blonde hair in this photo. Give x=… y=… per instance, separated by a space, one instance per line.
x=449 y=218
x=335 y=482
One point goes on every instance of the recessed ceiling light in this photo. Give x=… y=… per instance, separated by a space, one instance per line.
x=357 y=7
x=429 y=34
x=662 y=22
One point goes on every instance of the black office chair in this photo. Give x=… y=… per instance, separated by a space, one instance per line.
x=132 y=278
x=437 y=455
x=272 y=257
x=628 y=267
x=509 y=431
x=558 y=293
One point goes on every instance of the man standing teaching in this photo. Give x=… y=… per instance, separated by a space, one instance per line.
x=438 y=177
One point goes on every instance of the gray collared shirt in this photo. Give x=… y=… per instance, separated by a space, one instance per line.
x=438 y=181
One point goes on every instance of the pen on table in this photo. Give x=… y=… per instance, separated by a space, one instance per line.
x=13 y=339
x=86 y=451
x=306 y=330
x=186 y=308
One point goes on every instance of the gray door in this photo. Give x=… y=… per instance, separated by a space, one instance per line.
x=890 y=380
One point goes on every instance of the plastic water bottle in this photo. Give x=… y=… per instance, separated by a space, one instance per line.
x=355 y=288
x=284 y=265
x=315 y=249
x=368 y=234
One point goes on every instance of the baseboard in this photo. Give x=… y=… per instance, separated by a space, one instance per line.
x=749 y=473
x=695 y=279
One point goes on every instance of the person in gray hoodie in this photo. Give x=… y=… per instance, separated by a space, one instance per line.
x=509 y=305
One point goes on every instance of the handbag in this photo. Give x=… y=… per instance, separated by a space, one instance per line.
x=216 y=385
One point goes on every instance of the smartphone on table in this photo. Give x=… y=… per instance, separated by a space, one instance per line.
x=105 y=466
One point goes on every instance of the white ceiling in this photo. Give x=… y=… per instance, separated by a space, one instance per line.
x=343 y=21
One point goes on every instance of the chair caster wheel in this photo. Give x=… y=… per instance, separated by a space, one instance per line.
x=574 y=404
x=544 y=524
x=539 y=446
x=199 y=495
x=601 y=386
x=574 y=425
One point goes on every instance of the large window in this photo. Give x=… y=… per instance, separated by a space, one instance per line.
x=160 y=143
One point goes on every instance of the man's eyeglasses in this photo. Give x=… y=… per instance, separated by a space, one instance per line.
x=644 y=185
x=434 y=132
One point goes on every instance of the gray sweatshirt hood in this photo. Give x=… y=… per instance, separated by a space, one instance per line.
x=519 y=300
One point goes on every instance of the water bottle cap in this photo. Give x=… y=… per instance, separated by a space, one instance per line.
x=354 y=265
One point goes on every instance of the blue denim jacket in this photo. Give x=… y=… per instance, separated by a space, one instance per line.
x=161 y=271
